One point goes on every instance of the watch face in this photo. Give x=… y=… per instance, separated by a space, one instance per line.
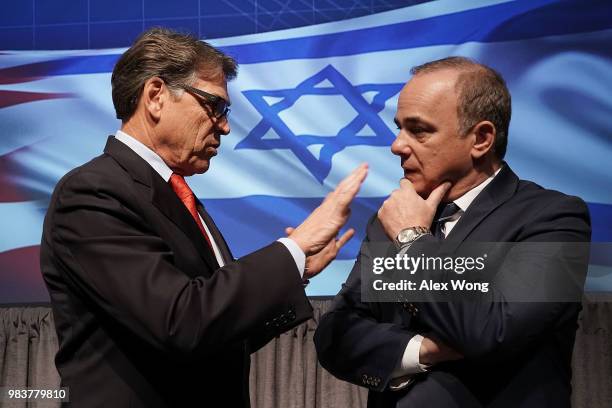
x=406 y=235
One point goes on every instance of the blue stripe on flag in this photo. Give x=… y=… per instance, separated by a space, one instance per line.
x=251 y=222
x=601 y=222
x=503 y=22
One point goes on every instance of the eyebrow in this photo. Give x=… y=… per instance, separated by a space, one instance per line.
x=414 y=120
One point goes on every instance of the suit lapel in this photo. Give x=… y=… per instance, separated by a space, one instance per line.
x=501 y=189
x=226 y=253
x=172 y=207
x=161 y=196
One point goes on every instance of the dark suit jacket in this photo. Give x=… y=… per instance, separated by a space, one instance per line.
x=144 y=315
x=517 y=354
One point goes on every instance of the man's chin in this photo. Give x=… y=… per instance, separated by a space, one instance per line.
x=423 y=190
x=419 y=186
x=201 y=166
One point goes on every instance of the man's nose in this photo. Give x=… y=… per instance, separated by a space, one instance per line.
x=223 y=125
x=400 y=146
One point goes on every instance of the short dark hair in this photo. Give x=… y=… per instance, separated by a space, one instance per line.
x=482 y=94
x=172 y=56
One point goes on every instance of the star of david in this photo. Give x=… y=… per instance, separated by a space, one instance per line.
x=367 y=114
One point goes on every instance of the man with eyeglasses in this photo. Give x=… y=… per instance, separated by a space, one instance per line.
x=150 y=307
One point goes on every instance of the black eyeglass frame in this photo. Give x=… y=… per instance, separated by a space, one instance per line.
x=212 y=99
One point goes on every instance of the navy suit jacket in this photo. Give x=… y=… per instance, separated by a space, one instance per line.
x=517 y=354
x=144 y=315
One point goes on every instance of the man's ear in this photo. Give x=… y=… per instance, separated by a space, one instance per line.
x=484 y=139
x=154 y=95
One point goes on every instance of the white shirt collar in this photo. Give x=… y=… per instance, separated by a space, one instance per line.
x=165 y=172
x=465 y=200
x=147 y=154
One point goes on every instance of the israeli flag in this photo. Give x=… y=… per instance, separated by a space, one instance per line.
x=312 y=103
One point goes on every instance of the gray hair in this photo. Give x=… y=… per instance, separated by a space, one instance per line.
x=481 y=95
x=174 y=57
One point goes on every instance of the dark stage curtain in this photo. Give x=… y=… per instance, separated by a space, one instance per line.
x=285 y=373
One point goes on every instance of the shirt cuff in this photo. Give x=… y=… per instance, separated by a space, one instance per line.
x=410 y=360
x=298 y=255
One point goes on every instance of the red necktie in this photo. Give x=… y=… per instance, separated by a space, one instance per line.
x=182 y=190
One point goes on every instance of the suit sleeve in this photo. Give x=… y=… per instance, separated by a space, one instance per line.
x=352 y=341
x=496 y=327
x=121 y=268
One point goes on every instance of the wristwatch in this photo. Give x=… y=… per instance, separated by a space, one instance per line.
x=408 y=235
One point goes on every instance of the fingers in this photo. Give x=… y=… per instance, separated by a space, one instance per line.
x=405 y=183
x=353 y=180
x=345 y=238
x=289 y=230
x=358 y=174
x=438 y=194
x=325 y=221
x=350 y=185
x=347 y=189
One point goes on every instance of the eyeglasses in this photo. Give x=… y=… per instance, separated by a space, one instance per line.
x=220 y=107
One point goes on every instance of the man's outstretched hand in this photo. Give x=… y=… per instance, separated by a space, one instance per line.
x=317 y=262
x=319 y=230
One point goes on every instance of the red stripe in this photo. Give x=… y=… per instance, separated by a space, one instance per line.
x=20 y=277
x=10 y=169
x=22 y=73
x=11 y=98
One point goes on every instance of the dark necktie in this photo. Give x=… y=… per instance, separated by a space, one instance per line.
x=445 y=213
x=182 y=190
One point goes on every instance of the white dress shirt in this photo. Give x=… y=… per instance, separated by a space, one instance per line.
x=409 y=363
x=165 y=172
